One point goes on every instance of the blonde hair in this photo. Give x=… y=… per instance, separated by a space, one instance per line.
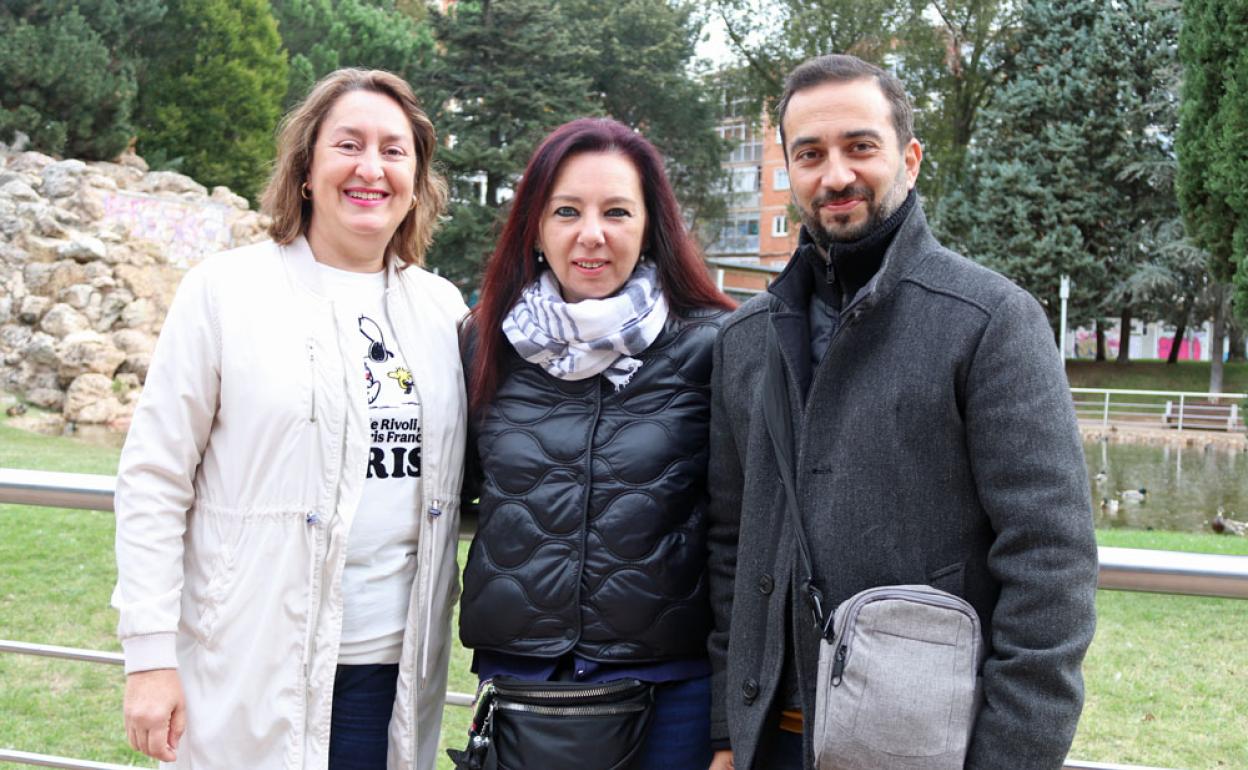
x=296 y=137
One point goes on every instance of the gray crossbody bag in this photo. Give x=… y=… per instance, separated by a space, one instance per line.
x=898 y=683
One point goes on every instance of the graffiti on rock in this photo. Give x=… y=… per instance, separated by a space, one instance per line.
x=189 y=230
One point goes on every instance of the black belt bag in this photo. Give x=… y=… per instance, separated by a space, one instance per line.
x=519 y=725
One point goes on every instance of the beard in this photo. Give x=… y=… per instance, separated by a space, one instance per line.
x=840 y=231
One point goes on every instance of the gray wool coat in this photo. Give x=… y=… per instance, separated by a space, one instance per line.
x=937 y=445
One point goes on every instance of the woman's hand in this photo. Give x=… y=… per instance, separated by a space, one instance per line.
x=722 y=761
x=155 y=711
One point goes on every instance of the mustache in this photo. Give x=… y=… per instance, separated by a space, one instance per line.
x=839 y=196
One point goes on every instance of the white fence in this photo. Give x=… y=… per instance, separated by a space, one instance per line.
x=1161 y=409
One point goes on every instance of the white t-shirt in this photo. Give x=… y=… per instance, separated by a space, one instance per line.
x=381 y=548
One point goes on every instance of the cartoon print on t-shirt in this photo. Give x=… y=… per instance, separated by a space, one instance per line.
x=372 y=383
x=404 y=378
x=377 y=350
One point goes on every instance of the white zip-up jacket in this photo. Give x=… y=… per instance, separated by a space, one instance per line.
x=236 y=490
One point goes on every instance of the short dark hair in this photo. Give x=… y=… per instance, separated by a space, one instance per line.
x=843 y=68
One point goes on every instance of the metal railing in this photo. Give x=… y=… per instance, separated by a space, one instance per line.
x=1161 y=409
x=1124 y=569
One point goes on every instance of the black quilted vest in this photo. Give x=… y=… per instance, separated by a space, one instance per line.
x=592 y=527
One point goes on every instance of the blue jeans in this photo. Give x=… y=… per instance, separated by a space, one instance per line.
x=360 y=719
x=680 y=729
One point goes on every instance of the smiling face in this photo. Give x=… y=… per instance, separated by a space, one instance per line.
x=845 y=167
x=594 y=224
x=361 y=178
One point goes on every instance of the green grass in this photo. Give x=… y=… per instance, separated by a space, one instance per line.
x=1167 y=678
x=1197 y=542
x=1191 y=376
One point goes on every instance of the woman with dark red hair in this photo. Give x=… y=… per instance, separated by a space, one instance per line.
x=588 y=363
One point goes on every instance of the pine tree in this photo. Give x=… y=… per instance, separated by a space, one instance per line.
x=211 y=91
x=1213 y=136
x=508 y=73
x=67 y=78
x=642 y=51
x=323 y=35
x=1045 y=193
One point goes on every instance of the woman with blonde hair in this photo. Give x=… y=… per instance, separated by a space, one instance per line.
x=287 y=499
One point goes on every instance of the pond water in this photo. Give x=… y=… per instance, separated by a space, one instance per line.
x=1185 y=486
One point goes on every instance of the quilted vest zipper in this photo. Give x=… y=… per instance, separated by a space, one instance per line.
x=588 y=480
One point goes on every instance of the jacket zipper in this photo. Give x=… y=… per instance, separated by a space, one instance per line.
x=314 y=612
x=426 y=535
x=312 y=378
x=845 y=633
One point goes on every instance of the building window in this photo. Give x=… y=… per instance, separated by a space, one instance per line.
x=780 y=226
x=780 y=179
x=746 y=144
x=739 y=235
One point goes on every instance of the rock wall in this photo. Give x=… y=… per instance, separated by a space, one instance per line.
x=90 y=256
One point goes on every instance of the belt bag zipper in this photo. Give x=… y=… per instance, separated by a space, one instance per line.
x=573 y=711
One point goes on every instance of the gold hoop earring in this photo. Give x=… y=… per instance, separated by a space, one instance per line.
x=304 y=192
x=413 y=206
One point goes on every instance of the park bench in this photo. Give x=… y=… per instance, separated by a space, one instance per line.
x=1202 y=415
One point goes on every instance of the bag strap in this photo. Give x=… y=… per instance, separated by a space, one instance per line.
x=778 y=417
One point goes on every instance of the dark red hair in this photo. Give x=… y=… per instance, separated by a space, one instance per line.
x=682 y=275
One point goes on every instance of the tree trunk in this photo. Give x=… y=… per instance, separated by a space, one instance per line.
x=1215 y=343
x=1236 y=353
x=1124 y=336
x=1100 y=341
x=1177 y=343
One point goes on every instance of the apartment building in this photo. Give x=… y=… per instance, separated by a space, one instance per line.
x=759 y=232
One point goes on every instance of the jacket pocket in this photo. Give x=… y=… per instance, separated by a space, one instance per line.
x=210 y=570
x=949 y=578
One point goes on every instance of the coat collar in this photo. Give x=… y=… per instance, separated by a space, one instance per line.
x=790 y=301
x=913 y=242
x=302 y=264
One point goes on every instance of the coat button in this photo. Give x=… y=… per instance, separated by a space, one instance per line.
x=765 y=584
x=749 y=691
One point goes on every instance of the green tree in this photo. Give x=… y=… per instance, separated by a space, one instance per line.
x=1045 y=191
x=1213 y=137
x=66 y=77
x=508 y=73
x=211 y=91
x=323 y=35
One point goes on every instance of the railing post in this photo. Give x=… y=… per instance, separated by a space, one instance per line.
x=1105 y=413
x=719 y=278
x=1182 y=398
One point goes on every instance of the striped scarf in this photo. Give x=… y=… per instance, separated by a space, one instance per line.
x=577 y=340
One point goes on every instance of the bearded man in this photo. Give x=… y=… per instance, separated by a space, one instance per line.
x=934 y=440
